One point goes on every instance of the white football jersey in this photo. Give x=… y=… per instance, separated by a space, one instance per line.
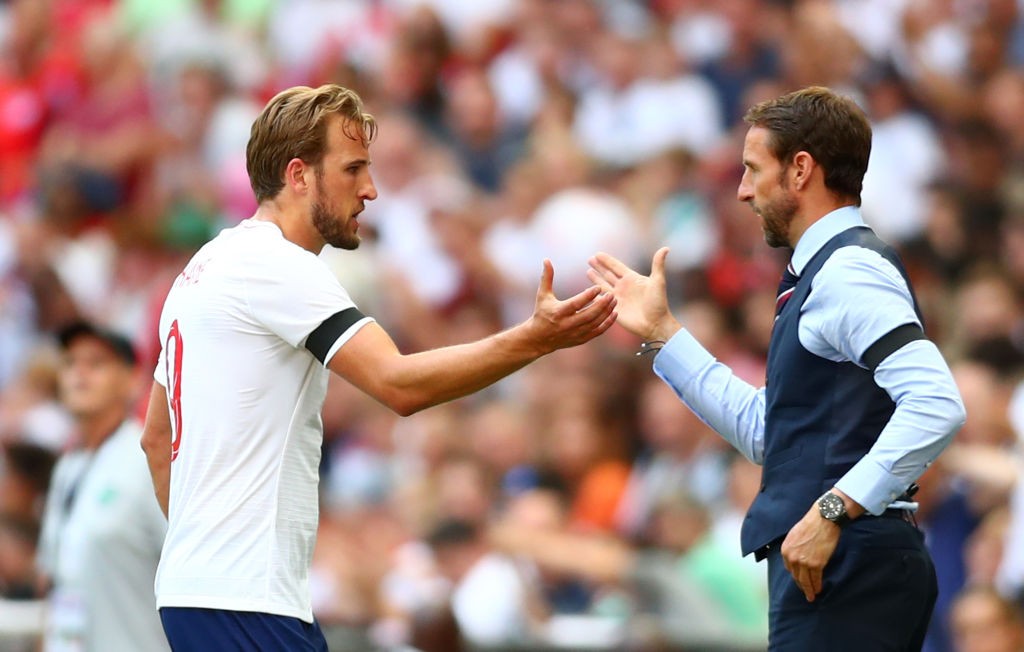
x=245 y=390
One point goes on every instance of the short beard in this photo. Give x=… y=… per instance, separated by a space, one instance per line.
x=331 y=229
x=776 y=217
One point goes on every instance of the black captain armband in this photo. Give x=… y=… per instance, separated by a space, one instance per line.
x=891 y=342
x=324 y=336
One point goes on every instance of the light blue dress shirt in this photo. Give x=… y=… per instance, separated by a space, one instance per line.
x=856 y=298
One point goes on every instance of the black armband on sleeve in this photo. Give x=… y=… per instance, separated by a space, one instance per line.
x=326 y=334
x=891 y=342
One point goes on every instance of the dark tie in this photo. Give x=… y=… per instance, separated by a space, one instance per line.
x=789 y=279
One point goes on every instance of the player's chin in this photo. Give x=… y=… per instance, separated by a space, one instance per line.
x=346 y=241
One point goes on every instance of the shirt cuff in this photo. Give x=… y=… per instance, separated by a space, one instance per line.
x=871 y=486
x=681 y=359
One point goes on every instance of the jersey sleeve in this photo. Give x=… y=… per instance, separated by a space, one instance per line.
x=296 y=297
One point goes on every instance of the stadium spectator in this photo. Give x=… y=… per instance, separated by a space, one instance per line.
x=102 y=527
x=984 y=621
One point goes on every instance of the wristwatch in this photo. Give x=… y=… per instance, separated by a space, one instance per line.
x=832 y=508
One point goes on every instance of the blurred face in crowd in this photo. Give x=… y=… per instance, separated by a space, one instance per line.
x=986 y=402
x=93 y=379
x=764 y=187
x=343 y=185
x=537 y=509
x=981 y=622
x=463 y=490
x=678 y=525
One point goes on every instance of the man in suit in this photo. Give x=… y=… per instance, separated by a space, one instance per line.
x=857 y=401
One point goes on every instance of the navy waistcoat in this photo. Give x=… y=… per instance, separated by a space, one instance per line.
x=821 y=417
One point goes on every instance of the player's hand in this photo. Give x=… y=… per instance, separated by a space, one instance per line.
x=643 y=304
x=558 y=324
x=807 y=549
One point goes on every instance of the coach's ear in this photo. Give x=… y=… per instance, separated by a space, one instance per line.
x=801 y=168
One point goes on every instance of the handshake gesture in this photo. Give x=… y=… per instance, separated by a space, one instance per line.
x=642 y=302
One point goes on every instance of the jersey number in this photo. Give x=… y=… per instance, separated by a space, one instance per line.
x=173 y=349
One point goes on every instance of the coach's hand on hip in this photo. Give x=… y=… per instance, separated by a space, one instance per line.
x=810 y=543
x=807 y=549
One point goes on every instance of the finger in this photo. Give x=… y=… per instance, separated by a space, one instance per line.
x=596 y=311
x=790 y=558
x=608 y=322
x=598 y=263
x=547 y=278
x=588 y=317
x=815 y=578
x=596 y=327
x=598 y=280
x=803 y=580
x=580 y=301
x=658 y=263
x=611 y=264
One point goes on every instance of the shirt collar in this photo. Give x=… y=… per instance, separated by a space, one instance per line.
x=819 y=233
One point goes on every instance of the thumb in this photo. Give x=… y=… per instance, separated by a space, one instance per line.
x=547 y=277
x=658 y=264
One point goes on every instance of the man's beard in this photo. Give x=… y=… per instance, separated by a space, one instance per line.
x=776 y=216
x=331 y=229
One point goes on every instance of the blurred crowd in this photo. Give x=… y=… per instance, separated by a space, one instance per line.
x=577 y=504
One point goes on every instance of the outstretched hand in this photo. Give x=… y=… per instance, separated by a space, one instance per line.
x=643 y=303
x=558 y=324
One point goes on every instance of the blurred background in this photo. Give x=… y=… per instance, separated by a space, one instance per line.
x=576 y=505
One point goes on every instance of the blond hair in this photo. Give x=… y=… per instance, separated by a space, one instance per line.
x=293 y=124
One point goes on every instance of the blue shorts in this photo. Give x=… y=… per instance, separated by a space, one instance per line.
x=192 y=629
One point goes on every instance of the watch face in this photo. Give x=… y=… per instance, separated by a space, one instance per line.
x=831 y=507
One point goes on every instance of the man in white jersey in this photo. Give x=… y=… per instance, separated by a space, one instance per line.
x=249 y=331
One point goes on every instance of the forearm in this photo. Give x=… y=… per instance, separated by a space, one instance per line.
x=409 y=383
x=156 y=442
x=734 y=408
x=160 y=471
x=439 y=375
x=928 y=413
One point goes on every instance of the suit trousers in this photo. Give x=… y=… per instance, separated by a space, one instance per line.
x=878 y=592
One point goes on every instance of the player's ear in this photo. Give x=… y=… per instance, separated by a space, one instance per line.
x=298 y=176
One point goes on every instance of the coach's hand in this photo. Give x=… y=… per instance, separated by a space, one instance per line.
x=807 y=549
x=557 y=324
x=643 y=303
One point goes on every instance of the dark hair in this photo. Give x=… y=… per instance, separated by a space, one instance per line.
x=294 y=125
x=829 y=127
x=119 y=344
x=452 y=532
x=1000 y=354
x=31 y=462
